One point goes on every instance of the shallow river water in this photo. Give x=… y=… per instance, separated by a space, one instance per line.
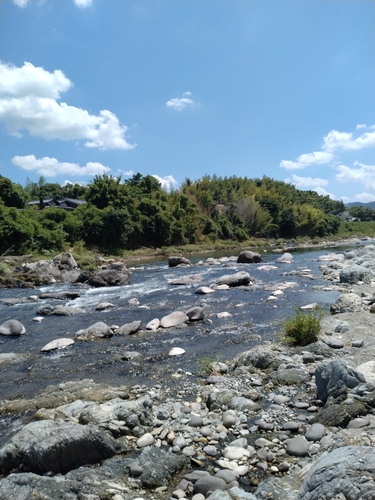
x=253 y=319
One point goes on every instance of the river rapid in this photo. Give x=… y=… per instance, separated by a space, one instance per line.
x=254 y=319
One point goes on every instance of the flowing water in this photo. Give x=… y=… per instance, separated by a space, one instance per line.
x=253 y=320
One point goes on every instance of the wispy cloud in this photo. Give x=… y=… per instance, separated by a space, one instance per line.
x=28 y=100
x=180 y=103
x=323 y=192
x=51 y=167
x=79 y=3
x=167 y=182
x=363 y=174
x=307 y=159
x=306 y=182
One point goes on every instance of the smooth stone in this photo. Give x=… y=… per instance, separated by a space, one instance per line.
x=189 y=451
x=358 y=343
x=223 y=314
x=209 y=483
x=129 y=328
x=210 y=450
x=280 y=399
x=153 y=324
x=174 y=319
x=291 y=426
x=358 y=423
x=227 y=475
x=176 y=351
x=196 y=421
x=103 y=306
x=315 y=432
x=334 y=343
x=204 y=290
x=12 y=327
x=57 y=344
x=38 y=319
x=145 y=440
x=133 y=302
x=297 y=446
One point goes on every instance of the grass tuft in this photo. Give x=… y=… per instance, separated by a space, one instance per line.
x=303 y=328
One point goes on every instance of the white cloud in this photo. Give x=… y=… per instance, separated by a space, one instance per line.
x=126 y=172
x=180 y=103
x=335 y=140
x=364 y=174
x=167 y=182
x=307 y=159
x=28 y=101
x=78 y=3
x=50 y=167
x=364 y=197
x=306 y=182
x=361 y=125
x=323 y=192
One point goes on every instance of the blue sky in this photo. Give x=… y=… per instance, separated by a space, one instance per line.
x=184 y=88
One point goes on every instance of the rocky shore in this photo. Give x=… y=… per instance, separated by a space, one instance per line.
x=276 y=422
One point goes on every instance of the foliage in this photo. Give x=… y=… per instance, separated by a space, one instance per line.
x=5 y=270
x=205 y=365
x=303 y=328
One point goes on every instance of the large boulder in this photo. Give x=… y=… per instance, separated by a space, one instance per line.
x=353 y=274
x=247 y=257
x=178 y=261
x=238 y=279
x=159 y=467
x=113 y=276
x=335 y=378
x=174 y=319
x=347 y=302
x=347 y=472
x=12 y=327
x=129 y=328
x=286 y=258
x=58 y=447
x=96 y=331
x=195 y=313
x=260 y=357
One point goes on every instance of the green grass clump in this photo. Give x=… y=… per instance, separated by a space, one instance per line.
x=303 y=328
x=5 y=270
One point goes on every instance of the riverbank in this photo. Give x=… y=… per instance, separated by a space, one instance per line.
x=267 y=423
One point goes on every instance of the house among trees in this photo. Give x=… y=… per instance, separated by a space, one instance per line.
x=64 y=203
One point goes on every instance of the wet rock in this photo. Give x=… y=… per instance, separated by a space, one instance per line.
x=129 y=328
x=347 y=302
x=96 y=331
x=286 y=258
x=187 y=280
x=347 y=472
x=340 y=414
x=335 y=377
x=174 y=319
x=57 y=344
x=238 y=279
x=358 y=423
x=103 y=306
x=58 y=447
x=12 y=358
x=145 y=440
x=153 y=324
x=204 y=290
x=355 y=273
x=60 y=295
x=12 y=327
x=178 y=261
x=195 y=313
x=247 y=257
x=259 y=357
x=176 y=351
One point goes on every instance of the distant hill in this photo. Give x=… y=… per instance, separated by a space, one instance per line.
x=371 y=204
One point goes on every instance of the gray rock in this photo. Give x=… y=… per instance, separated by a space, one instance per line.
x=178 y=261
x=145 y=440
x=334 y=378
x=334 y=343
x=290 y=376
x=358 y=423
x=103 y=306
x=12 y=327
x=204 y=290
x=238 y=279
x=315 y=432
x=195 y=313
x=347 y=472
x=129 y=328
x=340 y=414
x=297 y=446
x=58 y=447
x=260 y=357
x=347 y=302
x=57 y=344
x=96 y=331
x=187 y=280
x=174 y=319
x=279 y=488
x=247 y=257
x=286 y=258
x=60 y=295
x=159 y=466
x=220 y=399
x=209 y=483
x=153 y=324
x=355 y=273
x=239 y=403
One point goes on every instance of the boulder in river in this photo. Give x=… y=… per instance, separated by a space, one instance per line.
x=129 y=328
x=12 y=327
x=57 y=344
x=174 y=319
x=347 y=302
x=354 y=273
x=286 y=258
x=195 y=313
x=238 y=279
x=178 y=261
x=247 y=257
x=96 y=331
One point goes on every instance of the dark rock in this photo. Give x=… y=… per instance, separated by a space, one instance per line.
x=334 y=378
x=209 y=483
x=195 y=313
x=340 y=414
x=238 y=279
x=96 y=331
x=260 y=357
x=247 y=257
x=12 y=327
x=129 y=328
x=290 y=376
x=60 y=295
x=178 y=261
x=159 y=466
x=347 y=472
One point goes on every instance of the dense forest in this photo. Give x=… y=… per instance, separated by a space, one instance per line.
x=129 y=214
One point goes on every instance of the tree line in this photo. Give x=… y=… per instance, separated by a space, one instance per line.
x=137 y=212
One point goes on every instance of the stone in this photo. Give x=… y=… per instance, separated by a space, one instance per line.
x=335 y=377
x=286 y=258
x=204 y=290
x=195 y=313
x=145 y=440
x=186 y=280
x=368 y=371
x=315 y=432
x=346 y=302
x=103 y=306
x=159 y=466
x=354 y=273
x=174 y=319
x=175 y=261
x=209 y=483
x=260 y=357
x=153 y=324
x=12 y=327
x=57 y=344
x=129 y=328
x=176 y=351
x=290 y=376
x=12 y=358
x=297 y=446
x=95 y=331
x=247 y=257
x=358 y=423
x=238 y=279
x=334 y=343
x=347 y=472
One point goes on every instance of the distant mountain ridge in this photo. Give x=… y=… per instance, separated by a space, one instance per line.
x=370 y=204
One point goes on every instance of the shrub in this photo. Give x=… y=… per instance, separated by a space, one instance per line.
x=5 y=270
x=303 y=328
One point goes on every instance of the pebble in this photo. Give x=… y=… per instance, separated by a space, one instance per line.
x=297 y=446
x=315 y=432
x=145 y=440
